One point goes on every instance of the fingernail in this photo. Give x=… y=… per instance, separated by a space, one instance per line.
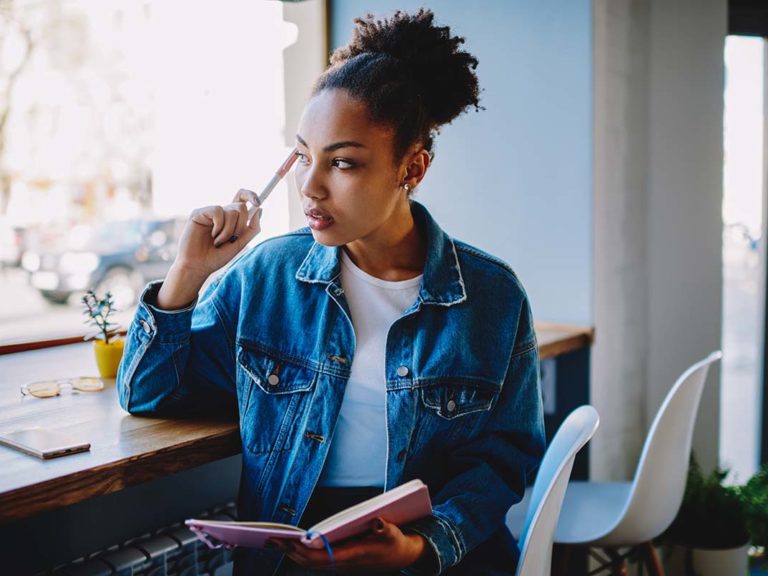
x=217 y=245
x=378 y=524
x=233 y=238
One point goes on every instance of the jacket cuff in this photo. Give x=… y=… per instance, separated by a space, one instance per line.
x=444 y=540
x=167 y=324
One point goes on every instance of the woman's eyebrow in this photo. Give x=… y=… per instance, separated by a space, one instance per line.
x=335 y=145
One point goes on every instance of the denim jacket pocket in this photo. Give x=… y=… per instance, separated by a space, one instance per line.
x=454 y=398
x=273 y=374
x=272 y=390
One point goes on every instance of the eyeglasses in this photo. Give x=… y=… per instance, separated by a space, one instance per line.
x=49 y=388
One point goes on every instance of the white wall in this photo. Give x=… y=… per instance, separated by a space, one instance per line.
x=516 y=178
x=620 y=352
x=657 y=209
x=685 y=200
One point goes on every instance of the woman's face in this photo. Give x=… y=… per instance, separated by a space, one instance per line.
x=349 y=184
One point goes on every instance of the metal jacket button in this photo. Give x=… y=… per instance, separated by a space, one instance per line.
x=451 y=406
x=402 y=371
x=145 y=326
x=273 y=379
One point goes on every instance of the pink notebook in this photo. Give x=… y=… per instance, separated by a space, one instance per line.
x=406 y=503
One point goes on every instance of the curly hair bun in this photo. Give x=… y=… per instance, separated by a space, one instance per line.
x=443 y=74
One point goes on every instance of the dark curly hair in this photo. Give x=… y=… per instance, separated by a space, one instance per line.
x=410 y=73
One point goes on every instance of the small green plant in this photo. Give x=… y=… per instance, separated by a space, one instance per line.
x=98 y=312
x=754 y=498
x=712 y=515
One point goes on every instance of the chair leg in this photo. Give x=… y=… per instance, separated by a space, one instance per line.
x=560 y=555
x=608 y=560
x=651 y=559
x=618 y=562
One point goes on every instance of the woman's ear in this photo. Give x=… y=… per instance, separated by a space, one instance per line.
x=416 y=167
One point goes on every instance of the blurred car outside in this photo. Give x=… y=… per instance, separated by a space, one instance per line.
x=120 y=257
x=12 y=243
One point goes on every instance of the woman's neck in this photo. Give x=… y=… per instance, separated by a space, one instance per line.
x=395 y=253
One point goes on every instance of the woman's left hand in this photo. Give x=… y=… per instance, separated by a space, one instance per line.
x=385 y=548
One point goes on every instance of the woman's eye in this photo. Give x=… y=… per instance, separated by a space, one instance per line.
x=342 y=164
x=302 y=158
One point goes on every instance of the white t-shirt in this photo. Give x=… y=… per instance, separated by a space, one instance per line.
x=358 y=451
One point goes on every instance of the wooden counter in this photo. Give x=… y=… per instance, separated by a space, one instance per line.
x=557 y=339
x=125 y=450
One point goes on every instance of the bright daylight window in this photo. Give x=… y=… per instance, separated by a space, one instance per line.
x=743 y=233
x=117 y=118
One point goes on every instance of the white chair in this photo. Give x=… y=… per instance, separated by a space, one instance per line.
x=614 y=516
x=549 y=488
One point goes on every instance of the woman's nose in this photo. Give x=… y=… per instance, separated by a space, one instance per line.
x=310 y=184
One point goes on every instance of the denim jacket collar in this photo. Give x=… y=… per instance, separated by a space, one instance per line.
x=442 y=283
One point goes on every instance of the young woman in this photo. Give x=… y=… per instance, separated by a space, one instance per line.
x=367 y=350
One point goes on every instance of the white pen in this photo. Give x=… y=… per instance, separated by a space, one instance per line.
x=279 y=175
x=285 y=167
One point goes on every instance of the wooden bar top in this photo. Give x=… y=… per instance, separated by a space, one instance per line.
x=556 y=339
x=125 y=450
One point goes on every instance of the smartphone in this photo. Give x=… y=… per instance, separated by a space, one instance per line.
x=43 y=442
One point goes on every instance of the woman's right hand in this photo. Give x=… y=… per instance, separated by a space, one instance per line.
x=211 y=237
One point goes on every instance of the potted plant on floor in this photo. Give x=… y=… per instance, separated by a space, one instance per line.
x=107 y=345
x=754 y=498
x=711 y=525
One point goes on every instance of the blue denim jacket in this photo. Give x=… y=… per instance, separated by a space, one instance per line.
x=272 y=337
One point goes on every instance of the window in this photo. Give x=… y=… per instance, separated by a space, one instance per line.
x=122 y=117
x=743 y=234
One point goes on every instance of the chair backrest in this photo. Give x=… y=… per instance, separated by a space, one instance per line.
x=549 y=489
x=659 y=482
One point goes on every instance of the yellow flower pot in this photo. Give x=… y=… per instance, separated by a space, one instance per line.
x=108 y=356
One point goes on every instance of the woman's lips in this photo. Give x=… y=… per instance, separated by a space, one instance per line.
x=318 y=220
